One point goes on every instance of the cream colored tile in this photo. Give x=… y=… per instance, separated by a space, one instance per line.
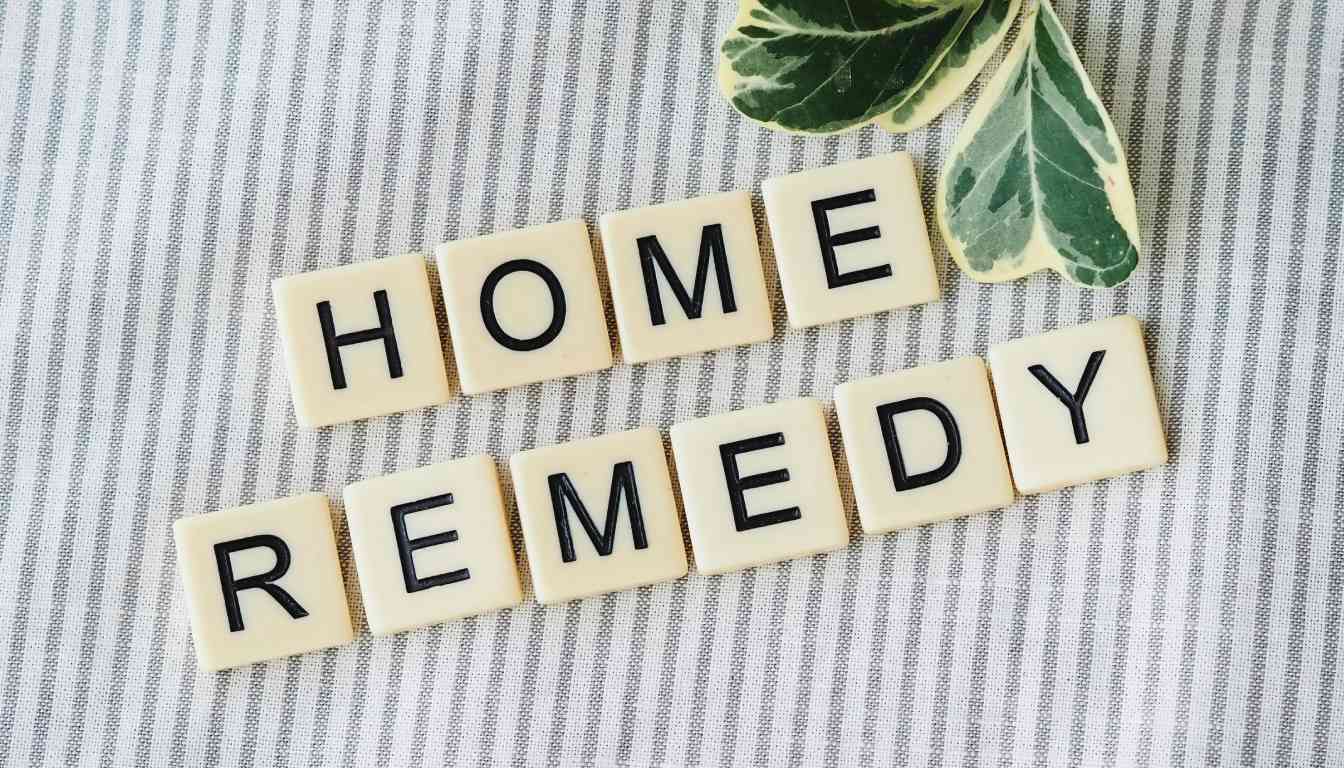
x=923 y=445
x=598 y=515
x=360 y=340
x=759 y=486
x=686 y=276
x=1077 y=404
x=262 y=581
x=850 y=239
x=524 y=306
x=432 y=544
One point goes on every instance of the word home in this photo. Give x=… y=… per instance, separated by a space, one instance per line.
x=525 y=306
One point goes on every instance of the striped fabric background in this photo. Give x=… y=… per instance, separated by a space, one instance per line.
x=163 y=161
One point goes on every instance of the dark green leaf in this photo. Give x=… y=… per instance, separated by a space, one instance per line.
x=820 y=66
x=1037 y=178
x=953 y=75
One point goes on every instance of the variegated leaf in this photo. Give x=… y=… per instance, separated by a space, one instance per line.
x=821 y=66
x=954 y=73
x=1037 y=177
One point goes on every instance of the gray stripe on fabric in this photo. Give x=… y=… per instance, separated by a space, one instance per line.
x=280 y=257
x=1229 y=608
x=1029 y=510
x=778 y=595
x=564 y=426
x=536 y=613
x=923 y=536
x=465 y=631
x=816 y=564
x=431 y=111
x=746 y=586
x=347 y=202
x=853 y=557
x=886 y=557
x=85 y=666
x=23 y=348
x=593 y=179
x=642 y=595
x=312 y=248
x=959 y=297
x=125 y=391
x=359 y=437
x=256 y=406
x=975 y=717
x=704 y=403
x=425 y=652
x=1325 y=722
x=186 y=439
x=54 y=377
x=1058 y=569
x=532 y=393
x=1092 y=595
x=1136 y=138
x=1209 y=410
x=266 y=347
x=1165 y=211
x=354 y=455
x=536 y=80
x=947 y=646
x=663 y=713
x=1045 y=700
x=18 y=145
x=1284 y=375
x=643 y=598
x=989 y=579
x=466 y=98
x=913 y=629
x=1334 y=561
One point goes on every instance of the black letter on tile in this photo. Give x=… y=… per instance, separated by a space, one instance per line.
x=563 y=494
x=557 y=304
x=407 y=546
x=231 y=586
x=738 y=485
x=711 y=249
x=335 y=341
x=1073 y=401
x=829 y=242
x=905 y=481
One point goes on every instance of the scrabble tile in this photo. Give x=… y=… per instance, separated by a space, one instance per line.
x=524 y=306
x=686 y=277
x=432 y=544
x=262 y=581
x=598 y=515
x=850 y=239
x=1077 y=405
x=923 y=445
x=759 y=486
x=360 y=340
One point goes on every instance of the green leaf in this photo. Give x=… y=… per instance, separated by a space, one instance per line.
x=820 y=66
x=1037 y=178
x=953 y=75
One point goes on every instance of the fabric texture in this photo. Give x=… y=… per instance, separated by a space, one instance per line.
x=163 y=161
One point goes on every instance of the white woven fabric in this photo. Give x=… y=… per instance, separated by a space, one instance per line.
x=163 y=161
